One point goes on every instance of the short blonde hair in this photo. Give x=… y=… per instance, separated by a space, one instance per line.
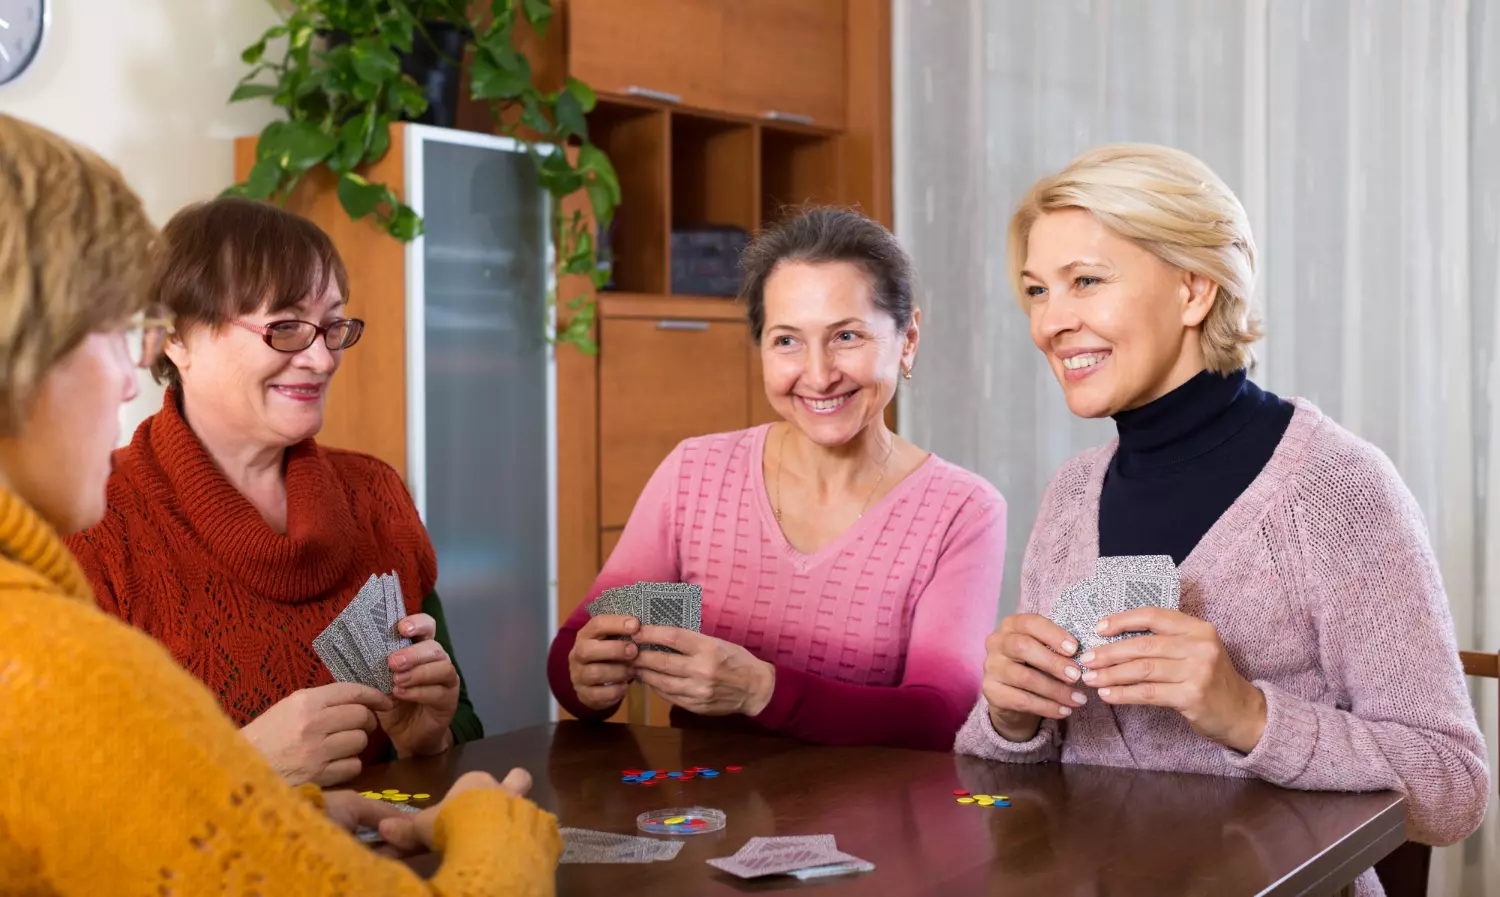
x=1171 y=204
x=75 y=246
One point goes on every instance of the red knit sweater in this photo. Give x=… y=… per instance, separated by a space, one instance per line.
x=182 y=555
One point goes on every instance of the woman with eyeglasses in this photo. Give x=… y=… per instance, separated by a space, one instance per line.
x=130 y=780
x=234 y=539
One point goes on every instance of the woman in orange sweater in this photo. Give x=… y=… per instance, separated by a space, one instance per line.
x=135 y=782
x=233 y=538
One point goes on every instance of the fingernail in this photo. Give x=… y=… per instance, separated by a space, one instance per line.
x=1086 y=658
x=1065 y=711
x=400 y=663
x=1103 y=624
x=1104 y=692
x=403 y=678
x=1069 y=646
x=1078 y=697
x=1072 y=672
x=1090 y=676
x=408 y=628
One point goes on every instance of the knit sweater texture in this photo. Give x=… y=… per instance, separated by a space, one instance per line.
x=1326 y=595
x=128 y=778
x=877 y=637
x=182 y=555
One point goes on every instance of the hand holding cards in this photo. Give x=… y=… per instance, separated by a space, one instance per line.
x=674 y=604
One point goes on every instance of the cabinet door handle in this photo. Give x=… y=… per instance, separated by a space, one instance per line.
x=694 y=326
x=648 y=93
x=793 y=117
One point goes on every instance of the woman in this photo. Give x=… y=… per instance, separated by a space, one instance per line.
x=1314 y=647
x=234 y=539
x=133 y=775
x=848 y=576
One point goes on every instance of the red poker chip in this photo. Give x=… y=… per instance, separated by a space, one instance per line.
x=630 y=772
x=959 y=792
x=650 y=782
x=734 y=768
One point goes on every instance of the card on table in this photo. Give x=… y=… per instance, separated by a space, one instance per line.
x=588 y=846
x=817 y=854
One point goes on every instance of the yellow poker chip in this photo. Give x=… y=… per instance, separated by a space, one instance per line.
x=984 y=803
x=391 y=791
x=371 y=795
x=400 y=798
x=966 y=800
x=675 y=820
x=420 y=796
x=1002 y=797
x=983 y=797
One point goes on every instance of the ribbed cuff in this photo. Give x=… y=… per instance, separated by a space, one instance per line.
x=979 y=738
x=493 y=816
x=1287 y=745
x=785 y=697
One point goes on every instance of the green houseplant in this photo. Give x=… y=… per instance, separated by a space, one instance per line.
x=335 y=68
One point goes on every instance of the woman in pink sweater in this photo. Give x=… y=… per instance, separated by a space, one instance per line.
x=1314 y=648
x=849 y=577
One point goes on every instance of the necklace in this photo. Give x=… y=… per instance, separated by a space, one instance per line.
x=780 y=453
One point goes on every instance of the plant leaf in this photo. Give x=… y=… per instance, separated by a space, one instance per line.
x=301 y=144
x=538 y=13
x=602 y=202
x=251 y=91
x=398 y=33
x=533 y=116
x=254 y=53
x=569 y=114
x=353 y=136
x=499 y=78
x=380 y=140
x=583 y=93
x=375 y=63
x=408 y=97
x=265 y=177
x=358 y=196
x=405 y=224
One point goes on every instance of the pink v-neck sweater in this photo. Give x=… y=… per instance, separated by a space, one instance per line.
x=877 y=638
x=1326 y=595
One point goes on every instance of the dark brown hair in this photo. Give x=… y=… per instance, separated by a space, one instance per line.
x=75 y=256
x=230 y=257
x=823 y=234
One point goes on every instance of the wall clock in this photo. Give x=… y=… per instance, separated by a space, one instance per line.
x=22 y=26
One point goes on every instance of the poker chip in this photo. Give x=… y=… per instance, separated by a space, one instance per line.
x=960 y=793
x=734 y=768
x=966 y=800
x=394 y=795
x=981 y=800
x=686 y=774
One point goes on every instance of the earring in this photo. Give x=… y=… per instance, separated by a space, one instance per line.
x=906 y=373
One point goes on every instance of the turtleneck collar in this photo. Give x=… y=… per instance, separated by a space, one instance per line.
x=1187 y=422
x=33 y=544
x=310 y=559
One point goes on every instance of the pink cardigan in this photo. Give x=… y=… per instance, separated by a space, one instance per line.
x=1326 y=594
x=877 y=638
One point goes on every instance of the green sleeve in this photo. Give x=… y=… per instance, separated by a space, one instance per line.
x=465 y=725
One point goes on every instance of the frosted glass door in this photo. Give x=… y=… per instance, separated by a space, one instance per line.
x=485 y=260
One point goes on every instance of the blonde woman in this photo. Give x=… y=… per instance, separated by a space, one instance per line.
x=135 y=781
x=1314 y=648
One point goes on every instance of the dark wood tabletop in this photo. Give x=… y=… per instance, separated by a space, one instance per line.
x=1070 y=830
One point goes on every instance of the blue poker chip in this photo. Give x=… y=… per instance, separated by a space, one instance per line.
x=630 y=779
x=647 y=776
x=674 y=775
x=709 y=773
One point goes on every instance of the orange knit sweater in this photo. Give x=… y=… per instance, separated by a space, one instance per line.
x=125 y=777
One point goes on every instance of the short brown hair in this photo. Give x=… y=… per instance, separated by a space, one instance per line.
x=231 y=256
x=75 y=257
x=1172 y=205
x=822 y=234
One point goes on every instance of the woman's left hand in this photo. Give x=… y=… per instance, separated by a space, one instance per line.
x=711 y=677
x=1180 y=664
x=426 y=691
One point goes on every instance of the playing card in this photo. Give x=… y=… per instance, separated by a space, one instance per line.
x=587 y=846
x=332 y=658
x=1131 y=582
x=856 y=865
x=357 y=644
x=770 y=856
x=1077 y=611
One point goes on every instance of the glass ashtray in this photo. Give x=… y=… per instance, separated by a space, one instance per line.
x=681 y=821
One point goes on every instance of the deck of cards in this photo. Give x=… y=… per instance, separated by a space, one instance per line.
x=357 y=644
x=1118 y=584
x=581 y=845
x=654 y=604
x=802 y=856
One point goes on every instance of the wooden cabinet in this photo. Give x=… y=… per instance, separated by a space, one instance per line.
x=661 y=48
x=661 y=381
x=785 y=58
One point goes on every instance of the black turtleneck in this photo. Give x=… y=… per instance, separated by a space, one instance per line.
x=1183 y=460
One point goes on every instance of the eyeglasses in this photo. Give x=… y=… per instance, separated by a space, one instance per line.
x=295 y=336
x=146 y=335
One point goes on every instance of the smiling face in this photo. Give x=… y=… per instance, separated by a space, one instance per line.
x=831 y=356
x=1118 y=326
x=235 y=383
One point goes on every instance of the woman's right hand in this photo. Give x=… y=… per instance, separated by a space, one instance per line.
x=409 y=834
x=316 y=734
x=600 y=666
x=1028 y=675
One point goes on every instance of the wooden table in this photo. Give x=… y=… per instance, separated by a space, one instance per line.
x=1071 y=830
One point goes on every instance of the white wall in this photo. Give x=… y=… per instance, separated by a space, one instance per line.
x=144 y=83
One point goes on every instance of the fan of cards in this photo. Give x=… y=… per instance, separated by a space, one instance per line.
x=654 y=604
x=581 y=845
x=357 y=644
x=1118 y=584
x=803 y=856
